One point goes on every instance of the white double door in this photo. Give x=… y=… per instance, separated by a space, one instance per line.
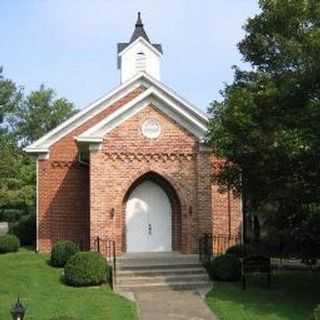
x=148 y=219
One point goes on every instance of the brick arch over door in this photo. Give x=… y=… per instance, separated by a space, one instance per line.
x=175 y=201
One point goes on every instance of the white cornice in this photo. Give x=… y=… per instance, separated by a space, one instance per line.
x=156 y=88
x=30 y=149
x=88 y=139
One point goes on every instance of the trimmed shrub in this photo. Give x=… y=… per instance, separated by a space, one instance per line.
x=62 y=251
x=225 y=268
x=85 y=269
x=25 y=229
x=241 y=250
x=9 y=243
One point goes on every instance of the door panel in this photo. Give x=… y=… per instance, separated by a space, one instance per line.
x=148 y=219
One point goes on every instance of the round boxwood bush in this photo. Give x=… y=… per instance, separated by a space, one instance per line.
x=62 y=251
x=85 y=269
x=9 y=243
x=225 y=268
x=241 y=250
x=25 y=229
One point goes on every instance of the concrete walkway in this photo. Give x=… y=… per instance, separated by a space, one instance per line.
x=172 y=305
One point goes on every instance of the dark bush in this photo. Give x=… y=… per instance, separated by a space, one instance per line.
x=315 y=314
x=225 y=268
x=241 y=250
x=11 y=215
x=25 y=229
x=85 y=269
x=62 y=251
x=9 y=243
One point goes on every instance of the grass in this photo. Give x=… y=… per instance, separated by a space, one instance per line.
x=292 y=296
x=28 y=275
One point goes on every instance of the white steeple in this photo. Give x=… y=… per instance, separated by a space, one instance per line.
x=139 y=54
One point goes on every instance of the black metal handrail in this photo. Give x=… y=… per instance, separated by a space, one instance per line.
x=107 y=248
x=222 y=242
x=205 y=248
x=213 y=245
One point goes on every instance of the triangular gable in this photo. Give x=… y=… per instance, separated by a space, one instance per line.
x=159 y=100
x=159 y=90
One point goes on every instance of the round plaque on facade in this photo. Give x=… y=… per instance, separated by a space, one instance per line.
x=151 y=128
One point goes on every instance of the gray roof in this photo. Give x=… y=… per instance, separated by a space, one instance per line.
x=137 y=33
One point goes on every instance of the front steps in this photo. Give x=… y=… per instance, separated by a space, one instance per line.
x=160 y=271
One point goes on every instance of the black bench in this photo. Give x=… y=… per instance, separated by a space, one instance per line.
x=255 y=264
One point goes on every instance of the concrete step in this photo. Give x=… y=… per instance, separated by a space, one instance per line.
x=160 y=272
x=177 y=285
x=138 y=266
x=163 y=279
x=159 y=258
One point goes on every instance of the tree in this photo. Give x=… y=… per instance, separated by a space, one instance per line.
x=23 y=120
x=267 y=126
x=10 y=96
x=17 y=177
x=40 y=112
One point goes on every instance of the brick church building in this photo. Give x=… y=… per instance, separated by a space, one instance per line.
x=132 y=167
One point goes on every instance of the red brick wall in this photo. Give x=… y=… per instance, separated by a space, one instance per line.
x=67 y=212
x=226 y=212
x=127 y=155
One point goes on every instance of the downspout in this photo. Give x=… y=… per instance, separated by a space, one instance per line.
x=85 y=163
x=229 y=212
x=37 y=204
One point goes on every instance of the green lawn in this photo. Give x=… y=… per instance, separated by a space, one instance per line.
x=292 y=297
x=28 y=275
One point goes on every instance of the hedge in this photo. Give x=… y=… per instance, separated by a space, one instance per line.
x=9 y=243
x=225 y=268
x=62 y=251
x=25 y=229
x=241 y=250
x=86 y=269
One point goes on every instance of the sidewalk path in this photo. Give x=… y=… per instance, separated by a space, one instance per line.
x=172 y=305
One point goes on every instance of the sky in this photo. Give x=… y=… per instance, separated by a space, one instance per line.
x=70 y=45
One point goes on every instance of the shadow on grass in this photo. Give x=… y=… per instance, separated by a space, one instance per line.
x=29 y=248
x=292 y=296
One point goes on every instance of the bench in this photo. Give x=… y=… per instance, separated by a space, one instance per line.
x=255 y=264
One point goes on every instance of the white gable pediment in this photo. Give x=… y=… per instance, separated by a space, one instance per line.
x=162 y=97
x=151 y=96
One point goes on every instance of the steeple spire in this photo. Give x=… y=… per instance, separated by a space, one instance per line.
x=139 y=30
x=139 y=54
x=139 y=21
